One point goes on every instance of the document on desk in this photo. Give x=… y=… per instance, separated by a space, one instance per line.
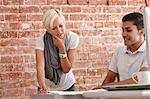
x=67 y=92
x=74 y=92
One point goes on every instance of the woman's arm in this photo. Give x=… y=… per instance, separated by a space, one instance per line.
x=40 y=70
x=66 y=63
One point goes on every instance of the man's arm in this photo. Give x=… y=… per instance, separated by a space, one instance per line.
x=127 y=81
x=110 y=77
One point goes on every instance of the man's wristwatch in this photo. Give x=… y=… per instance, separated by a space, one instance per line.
x=64 y=55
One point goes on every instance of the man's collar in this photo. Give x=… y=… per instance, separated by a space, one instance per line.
x=140 y=49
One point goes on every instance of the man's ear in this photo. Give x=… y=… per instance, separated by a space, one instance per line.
x=142 y=31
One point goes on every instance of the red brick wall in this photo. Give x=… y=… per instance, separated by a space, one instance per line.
x=97 y=22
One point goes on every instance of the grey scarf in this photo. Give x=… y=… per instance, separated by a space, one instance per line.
x=53 y=70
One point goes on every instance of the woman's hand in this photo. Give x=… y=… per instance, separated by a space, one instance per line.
x=42 y=90
x=59 y=43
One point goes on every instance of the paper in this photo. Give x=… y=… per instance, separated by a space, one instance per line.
x=74 y=92
x=66 y=92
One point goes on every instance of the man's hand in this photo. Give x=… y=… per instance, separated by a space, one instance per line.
x=98 y=87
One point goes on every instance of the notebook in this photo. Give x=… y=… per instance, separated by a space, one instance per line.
x=128 y=87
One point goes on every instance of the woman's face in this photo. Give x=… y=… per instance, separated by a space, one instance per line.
x=130 y=33
x=58 y=28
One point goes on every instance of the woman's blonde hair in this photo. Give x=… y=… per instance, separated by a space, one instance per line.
x=49 y=17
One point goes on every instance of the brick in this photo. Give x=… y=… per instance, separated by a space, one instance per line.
x=29 y=34
x=91 y=9
x=71 y=9
x=86 y=41
x=112 y=39
x=29 y=75
x=84 y=64
x=81 y=17
x=8 y=34
x=117 y=24
x=56 y=2
x=8 y=51
x=97 y=17
x=6 y=68
x=66 y=16
x=37 y=26
x=32 y=42
x=9 y=42
x=11 y=76
x=17 y=59
x=92 y=79
x=112 y=10
x=130 y=9
x=111 y=32
x=117 y=2
x=1 y=2
x=83 y=56
x=15 y=17
x=2 y=17
x=6 y=59
x=27 y=83
x=97 y=2
x=1 y=92
x=136 y=3
x=15 y=75
x=11 y=2
x=80 y=72
x=92 y=32
x=117 y=16
x=23 y=42
x=25 y=26
x=83 y=25
x=108 y=24
x=29 y=9
x=3 y=26
x=34 y=17
x=9 y=9
x=26 y=50
x=29 y=91
x=99 y=25
x=14 y=26
x=29 y=58
x=77 y=2
x=35 y=2
x=30 y=67
x=11 y=67
x=69 y=25
x=80 y=80
x=13 y=92
x=12 y=84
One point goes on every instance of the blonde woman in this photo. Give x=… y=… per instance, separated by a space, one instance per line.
x=55 y=51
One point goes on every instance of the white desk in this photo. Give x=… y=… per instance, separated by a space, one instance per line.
x=60 y=95
x=96 y=94
x=134 y=94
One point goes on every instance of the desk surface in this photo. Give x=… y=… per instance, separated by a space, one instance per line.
x=141 y=94
x=94 y=94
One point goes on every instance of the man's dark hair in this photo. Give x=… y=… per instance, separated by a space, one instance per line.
x=136 y=18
